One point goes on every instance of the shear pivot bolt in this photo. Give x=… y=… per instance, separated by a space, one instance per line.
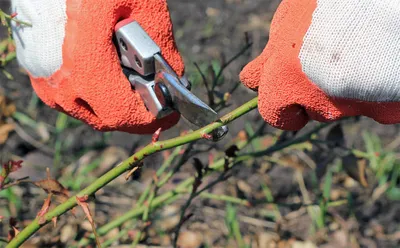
x=163 y=94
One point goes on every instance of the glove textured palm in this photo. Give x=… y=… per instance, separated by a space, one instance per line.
x=73 y=64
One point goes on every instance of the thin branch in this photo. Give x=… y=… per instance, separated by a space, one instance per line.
x=210 y=92
x=226 y=64
x=11 y=18
x=17 y=182
x=182 y=217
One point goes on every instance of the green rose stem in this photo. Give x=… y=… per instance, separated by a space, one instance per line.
x=185 y=186
x=129 y=164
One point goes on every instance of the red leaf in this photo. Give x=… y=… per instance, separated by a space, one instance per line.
x=9 y=167
x=15 y=165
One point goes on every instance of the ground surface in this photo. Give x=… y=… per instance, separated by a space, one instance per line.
x=366 y=212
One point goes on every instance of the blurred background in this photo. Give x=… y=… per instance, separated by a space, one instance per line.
x=340 y=188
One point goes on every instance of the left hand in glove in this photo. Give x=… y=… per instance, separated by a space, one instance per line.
x=74 y=66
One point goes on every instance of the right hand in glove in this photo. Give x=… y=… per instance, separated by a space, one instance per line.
x=328 y=59
x=73 y=64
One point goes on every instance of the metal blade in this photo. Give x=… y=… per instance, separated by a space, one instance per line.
x=191 y=107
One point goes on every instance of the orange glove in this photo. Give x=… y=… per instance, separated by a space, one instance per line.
x=73 y=64
x=329 y=59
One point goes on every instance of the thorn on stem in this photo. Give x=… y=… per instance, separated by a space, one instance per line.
x=13 y=229
x=54 y=220
x=156 y=136
x=155 y=178
x=130 y=173
x=206 y=136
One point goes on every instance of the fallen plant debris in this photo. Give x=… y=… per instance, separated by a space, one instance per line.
x=7 y=108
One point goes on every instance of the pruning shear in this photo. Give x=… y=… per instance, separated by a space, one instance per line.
x=160 y=88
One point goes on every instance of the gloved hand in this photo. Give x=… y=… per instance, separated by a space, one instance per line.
x=73 y=64
x=328 y=59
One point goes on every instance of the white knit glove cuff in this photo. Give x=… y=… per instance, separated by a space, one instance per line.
x=39 y=48
x=352 y=49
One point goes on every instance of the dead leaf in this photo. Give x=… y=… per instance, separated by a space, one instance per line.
x=242 y=136
x=356 y=168
x=82 y=202
x=85 y=206
x=190 y=239
x=6 y=107
x=53 y=187
x=5 y=129
x=267 y=240
x=67 y=233
x=244 y=187
x=300 y=244
x=45 y=208
x=6 y=110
